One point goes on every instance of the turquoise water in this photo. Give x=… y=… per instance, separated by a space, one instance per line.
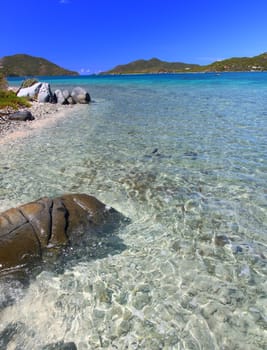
x=185 y=158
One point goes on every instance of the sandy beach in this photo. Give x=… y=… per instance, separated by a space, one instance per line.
x=44 y=114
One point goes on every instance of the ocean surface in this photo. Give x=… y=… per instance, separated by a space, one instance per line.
x=184 y=157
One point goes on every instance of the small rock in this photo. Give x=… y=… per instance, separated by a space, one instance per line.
x=221 y=240
x=124 y=328
x=21 y=116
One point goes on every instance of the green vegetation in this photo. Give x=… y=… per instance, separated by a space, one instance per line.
x=10 y=99
x=239 y=64
x=235 y=64
x=28 y=82
x=153 y=66
x=25 y=65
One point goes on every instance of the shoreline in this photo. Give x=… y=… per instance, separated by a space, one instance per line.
x=44 y=114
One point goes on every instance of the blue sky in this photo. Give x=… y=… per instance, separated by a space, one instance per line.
x=96 y=35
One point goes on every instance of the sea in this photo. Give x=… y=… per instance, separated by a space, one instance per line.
x=184 y=158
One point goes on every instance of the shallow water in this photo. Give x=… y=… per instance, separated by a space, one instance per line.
x=184 y=157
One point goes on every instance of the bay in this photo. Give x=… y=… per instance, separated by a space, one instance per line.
x=184 y=156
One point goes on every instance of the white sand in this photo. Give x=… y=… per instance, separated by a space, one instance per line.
x=44 y=114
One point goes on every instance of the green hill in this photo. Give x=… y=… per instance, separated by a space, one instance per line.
x=235 y=64
x=153 y=65
x=26 y=65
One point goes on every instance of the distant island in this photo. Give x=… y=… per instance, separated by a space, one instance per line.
x=154 y=65
x=22 y=65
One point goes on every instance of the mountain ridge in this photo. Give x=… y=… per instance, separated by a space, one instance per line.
x=155 y=65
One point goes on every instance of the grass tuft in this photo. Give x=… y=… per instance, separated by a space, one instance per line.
x=10 y=99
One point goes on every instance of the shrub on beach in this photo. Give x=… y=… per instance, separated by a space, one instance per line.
x=10 y=99
x=28 y=82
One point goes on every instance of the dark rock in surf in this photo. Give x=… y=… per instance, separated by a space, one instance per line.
x=48 y=225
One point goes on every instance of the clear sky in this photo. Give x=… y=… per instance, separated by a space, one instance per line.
x=96 y=35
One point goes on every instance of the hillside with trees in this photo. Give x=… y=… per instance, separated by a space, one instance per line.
x=239 y=64
x=154 y=65
x=26 y=65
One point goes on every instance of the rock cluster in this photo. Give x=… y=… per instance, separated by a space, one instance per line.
x=41 y=92
x=48 y=225
x=77 y=95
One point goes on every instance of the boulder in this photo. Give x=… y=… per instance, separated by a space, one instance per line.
x=21 y=116
x=66 y=94
x=69 y=100
x=80 y=95
x=59 y=97
x=63 y=97
x=29 y=232
x=30 y=92
x=45 y=93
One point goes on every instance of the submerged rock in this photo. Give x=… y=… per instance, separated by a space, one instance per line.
x=29 y=232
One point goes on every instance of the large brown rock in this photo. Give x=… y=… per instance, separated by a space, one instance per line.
x=49 y=225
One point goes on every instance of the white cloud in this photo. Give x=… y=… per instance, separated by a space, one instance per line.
x=64 y=1
x=85 y=70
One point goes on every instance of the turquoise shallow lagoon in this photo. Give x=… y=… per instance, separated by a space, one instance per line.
x=185 y=158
